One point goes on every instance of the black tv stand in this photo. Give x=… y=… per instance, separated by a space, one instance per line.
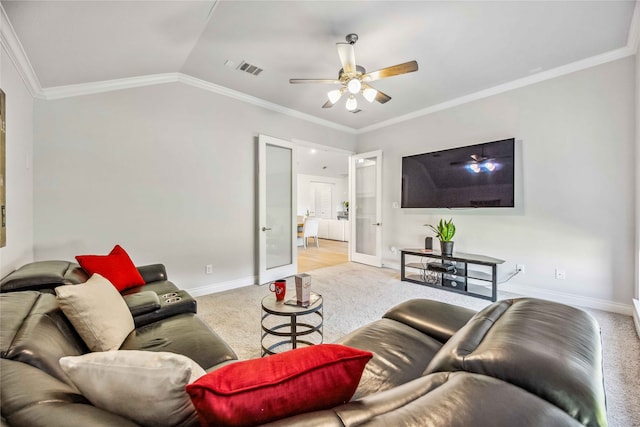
x=452 y=273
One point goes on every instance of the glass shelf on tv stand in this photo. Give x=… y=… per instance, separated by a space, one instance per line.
x=478 y=281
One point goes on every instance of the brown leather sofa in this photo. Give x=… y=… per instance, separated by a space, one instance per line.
x=522 y=362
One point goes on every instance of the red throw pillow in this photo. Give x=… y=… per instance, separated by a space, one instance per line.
x=116 y=267
x=258 y=391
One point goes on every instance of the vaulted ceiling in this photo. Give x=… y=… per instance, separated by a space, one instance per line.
x=464 y=49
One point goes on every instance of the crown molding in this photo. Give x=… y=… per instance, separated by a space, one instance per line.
x=221 y=90
x=16 y=53
x=58 y=92
x=584 y=64
x=12 y=46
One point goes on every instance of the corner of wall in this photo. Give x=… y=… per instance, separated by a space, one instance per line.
x=636 y=315
x=15 y=52
x=637 y=135
x=636 y=302
x=19 y=157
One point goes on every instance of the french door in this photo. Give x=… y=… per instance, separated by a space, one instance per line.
x=365 y=208
x=277 y=222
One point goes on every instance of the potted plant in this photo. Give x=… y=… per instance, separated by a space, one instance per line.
x=444 y=232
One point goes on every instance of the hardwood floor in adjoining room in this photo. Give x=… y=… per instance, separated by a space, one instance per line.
x=330 y=252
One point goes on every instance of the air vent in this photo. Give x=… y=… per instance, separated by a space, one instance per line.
x=249 y=68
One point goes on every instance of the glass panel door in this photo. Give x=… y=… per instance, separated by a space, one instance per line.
x=366 y=208
x=277 y=201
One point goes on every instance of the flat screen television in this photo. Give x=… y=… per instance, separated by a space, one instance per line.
x=476 y=176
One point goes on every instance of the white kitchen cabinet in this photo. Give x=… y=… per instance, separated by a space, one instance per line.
x=334 y=229
x=347 y=230
x=323 y=228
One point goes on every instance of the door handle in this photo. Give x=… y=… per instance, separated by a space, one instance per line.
x=266 y=229
x=378 y=224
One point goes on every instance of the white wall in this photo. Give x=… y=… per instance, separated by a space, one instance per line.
x=636 y=312
x=637 y=190
x=576 y=197
x=305 y=192
x=19 y=170
x=166 y=171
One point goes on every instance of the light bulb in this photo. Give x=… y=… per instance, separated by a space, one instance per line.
x=352 y=103
x=474 y=167
x=354 y=85
x=490 y=166
x=369 y=94
x=334 y=95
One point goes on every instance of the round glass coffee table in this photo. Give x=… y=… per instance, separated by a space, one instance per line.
x=286 y=327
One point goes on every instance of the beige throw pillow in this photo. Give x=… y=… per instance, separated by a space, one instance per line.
x=98 y=313
x=145 y=386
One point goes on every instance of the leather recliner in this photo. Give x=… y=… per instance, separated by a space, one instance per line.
x=524 y=362
x=157 y=299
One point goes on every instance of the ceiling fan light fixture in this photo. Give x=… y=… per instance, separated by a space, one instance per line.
x=334 y=95
x=354 y=79
x=354 y=85
x=370 y=94
x=352 y=103
x=475 y=167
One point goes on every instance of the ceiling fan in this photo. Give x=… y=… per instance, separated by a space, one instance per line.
x=354 y=79
x=479 y=163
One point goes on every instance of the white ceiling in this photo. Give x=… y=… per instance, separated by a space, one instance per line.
x=318 y=160
x=462 y=48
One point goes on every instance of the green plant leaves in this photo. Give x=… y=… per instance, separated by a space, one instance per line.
x=445 y=230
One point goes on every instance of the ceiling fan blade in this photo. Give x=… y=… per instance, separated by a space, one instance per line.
x=382 y=97
x=324 y=81
x=407 y=67
x=347 y=57
x=328 y=104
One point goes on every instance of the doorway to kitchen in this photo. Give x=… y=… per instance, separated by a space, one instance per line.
x=329 y=252
x=322 y=199
x=323 y=189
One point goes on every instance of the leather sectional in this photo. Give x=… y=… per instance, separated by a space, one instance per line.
x=524 y=362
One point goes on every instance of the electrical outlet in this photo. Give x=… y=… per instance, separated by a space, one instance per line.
x=393 y=249
x=560 y=274
x=520 y=268
x=208 y=269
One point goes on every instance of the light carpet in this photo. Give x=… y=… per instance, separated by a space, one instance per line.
x=355 y=294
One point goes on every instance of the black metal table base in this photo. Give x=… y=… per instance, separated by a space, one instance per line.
x=295 y=332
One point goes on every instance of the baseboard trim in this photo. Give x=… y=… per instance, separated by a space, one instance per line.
x=563 y=297
x=224 y=286
x=570 y=299
x=636 y=315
